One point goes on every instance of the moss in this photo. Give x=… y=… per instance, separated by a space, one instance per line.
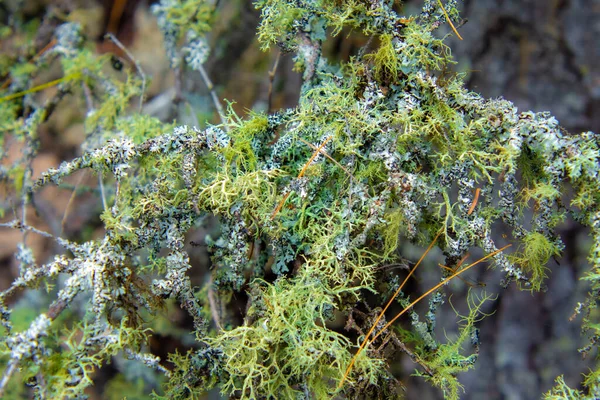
x=240 y=154
x=385 y=60
x=391 y=235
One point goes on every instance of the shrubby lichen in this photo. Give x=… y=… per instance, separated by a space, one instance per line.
x=381 y=149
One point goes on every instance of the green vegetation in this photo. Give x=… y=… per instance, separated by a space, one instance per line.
x=380 y=151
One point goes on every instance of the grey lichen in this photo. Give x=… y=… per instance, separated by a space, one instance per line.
x=381 y=147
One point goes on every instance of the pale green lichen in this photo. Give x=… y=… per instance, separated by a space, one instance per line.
x=382 y=149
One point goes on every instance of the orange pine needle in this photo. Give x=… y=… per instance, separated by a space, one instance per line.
x=449 y=20
x=312 y=158
x=364 y=343
x=44 y=49
x=475 y=200
x=280 y=205
x=458 y=264
x=461 y=261
x=436 y=287
x=333 y=160
x=412 y=304
x=300 y=175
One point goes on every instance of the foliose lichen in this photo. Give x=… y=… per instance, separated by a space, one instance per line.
x=382 y=149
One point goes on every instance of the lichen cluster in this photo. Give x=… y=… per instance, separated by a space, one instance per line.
x=383 y=148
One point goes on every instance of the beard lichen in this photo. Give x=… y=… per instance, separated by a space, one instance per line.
x=381 y=150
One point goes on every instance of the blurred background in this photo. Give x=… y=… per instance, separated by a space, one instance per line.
x=543 y=55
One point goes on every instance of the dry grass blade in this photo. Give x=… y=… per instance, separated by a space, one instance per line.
x=449 y=20
x=433 y=289
x=365 y=341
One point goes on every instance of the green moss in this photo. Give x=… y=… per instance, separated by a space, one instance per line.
x=373 y=172
x=256 y=188
x=240 y=154
x=141 y=127
x=391 y=233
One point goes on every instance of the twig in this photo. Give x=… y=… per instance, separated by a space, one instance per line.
x=8 y=373
x=214 y=96
x=271 y=80
x=134 y=61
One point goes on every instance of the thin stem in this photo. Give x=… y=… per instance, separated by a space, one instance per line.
x=214 y=96
x=135 y=62
x=449 y=20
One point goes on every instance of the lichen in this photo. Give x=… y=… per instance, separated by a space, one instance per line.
x=313 y=204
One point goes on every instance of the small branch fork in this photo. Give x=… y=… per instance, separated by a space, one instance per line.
x=213 y=95
x=138 y=67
